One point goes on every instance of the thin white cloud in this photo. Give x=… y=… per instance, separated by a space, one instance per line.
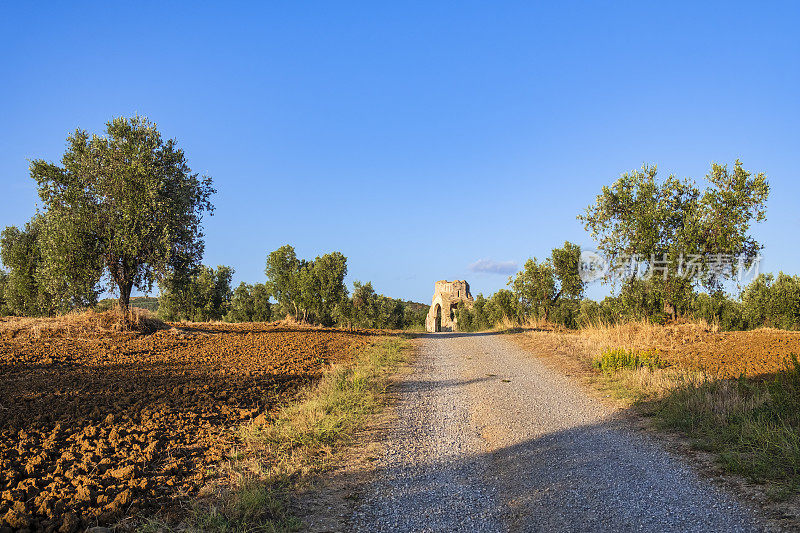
x=493 y=267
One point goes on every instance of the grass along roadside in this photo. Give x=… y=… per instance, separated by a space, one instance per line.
x=303 y=438
x=751 y=423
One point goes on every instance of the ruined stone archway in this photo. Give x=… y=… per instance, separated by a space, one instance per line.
x=446 y=297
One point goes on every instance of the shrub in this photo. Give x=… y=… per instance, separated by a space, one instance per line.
x=720 y=309
x=770 y=301
x=615 y=359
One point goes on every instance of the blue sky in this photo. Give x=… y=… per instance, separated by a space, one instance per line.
x=416 y=138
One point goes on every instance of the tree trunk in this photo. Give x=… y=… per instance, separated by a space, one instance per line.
x=552 y=304
x=125 y=296
x=670 y=310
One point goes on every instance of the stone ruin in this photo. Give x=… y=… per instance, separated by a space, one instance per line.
x=443 y=310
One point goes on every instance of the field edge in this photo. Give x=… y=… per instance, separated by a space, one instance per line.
x=308 y=436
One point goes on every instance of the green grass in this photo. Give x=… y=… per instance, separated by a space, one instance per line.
x=753 y=424
x=254 y=506
x=303 y=438
x=615 y=359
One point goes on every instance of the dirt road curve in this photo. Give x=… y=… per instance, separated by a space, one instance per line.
x=489 y=439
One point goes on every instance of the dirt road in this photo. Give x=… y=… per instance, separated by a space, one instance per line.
x=488 y=438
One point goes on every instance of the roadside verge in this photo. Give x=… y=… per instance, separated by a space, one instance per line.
x=276 y=458
x=742 y=431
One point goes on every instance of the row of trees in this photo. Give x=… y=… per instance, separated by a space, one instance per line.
x=661 y=222
x=123 y=211
x=771 y=301
x=311 y=291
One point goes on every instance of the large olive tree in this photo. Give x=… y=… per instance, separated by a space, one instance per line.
x=667 y=221
x=124 y=204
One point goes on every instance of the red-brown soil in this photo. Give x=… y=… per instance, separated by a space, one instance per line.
x=95 y=427
x=734 y=353
x=685 y=345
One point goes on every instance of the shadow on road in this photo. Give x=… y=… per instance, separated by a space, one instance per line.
x=598 y=477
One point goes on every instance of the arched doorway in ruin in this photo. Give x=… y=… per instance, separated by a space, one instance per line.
x=438 y=326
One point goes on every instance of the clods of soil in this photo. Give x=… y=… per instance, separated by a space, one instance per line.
x=97 y=427
x=736 y=353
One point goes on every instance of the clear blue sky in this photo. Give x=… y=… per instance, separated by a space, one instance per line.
x=417 y=138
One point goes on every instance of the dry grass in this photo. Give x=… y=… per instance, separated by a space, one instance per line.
x=578 y=350
x=86 y=323
x=752 y=424
x=507 y=324
x=305 y=434
x=644 y=335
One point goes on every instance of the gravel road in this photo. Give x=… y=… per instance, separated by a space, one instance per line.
x=487 y=438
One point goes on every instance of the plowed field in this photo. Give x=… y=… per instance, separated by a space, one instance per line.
x=728 y=354
x=720 y=354
x=96 y=427
x=735 y=353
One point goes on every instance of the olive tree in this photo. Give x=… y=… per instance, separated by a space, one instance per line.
x=250 y=303
x=283 y=275
x=324 y=286
x=127 y=205
x=312 y=290
x=21 y=253
x=665 y=221
x=772 y=301
x=365 y=305
x=33 y=287
x=205 y=295
x=540 y=285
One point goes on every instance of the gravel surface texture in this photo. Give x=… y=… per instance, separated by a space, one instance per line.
x=488 y=438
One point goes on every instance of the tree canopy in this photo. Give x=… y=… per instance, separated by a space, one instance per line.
x=36 y=284
x=125 y=204
x=539 y=285
x=665 y=222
